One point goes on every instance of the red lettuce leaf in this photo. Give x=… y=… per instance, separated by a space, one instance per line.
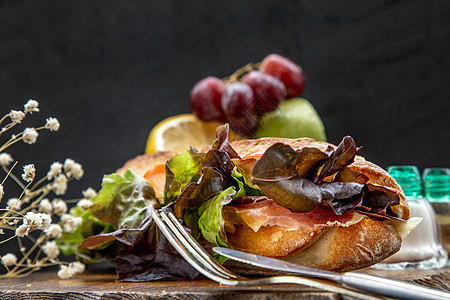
x=281 y=161
x=216 y=174
x=339 y=158
x=146 y=254
x=282 y=174
x=221 y=163
x=277 y=162
x=125 y=236
x=209 y=184
x=348 y=175
x=377 y=202
x=152 y=257
x=302 y=195
x=221 y=143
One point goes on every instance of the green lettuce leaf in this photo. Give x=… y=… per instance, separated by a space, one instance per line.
x=211 y=222
x=123 y=200
x=181 y=170
x=244 y=189
x=69 y=242
x=142 y=253
x=244 y=166
x=123 y=203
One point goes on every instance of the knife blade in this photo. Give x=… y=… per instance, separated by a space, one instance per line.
x=363 y=282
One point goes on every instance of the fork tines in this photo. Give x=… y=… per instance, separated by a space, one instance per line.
x=190 y=249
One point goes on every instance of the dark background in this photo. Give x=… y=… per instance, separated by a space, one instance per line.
x=110 y=70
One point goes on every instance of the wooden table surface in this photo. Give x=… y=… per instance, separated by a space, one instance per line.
x=101 y=284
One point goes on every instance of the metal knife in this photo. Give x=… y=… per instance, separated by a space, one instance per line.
x=363 y=282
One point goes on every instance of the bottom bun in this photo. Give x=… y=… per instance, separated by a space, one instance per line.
x=336 y=249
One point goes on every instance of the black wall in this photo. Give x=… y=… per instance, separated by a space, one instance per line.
x=110 y=70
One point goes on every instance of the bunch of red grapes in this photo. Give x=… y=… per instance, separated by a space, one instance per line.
x=250 y=92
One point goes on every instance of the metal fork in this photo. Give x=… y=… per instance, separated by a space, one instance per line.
x=201 y=260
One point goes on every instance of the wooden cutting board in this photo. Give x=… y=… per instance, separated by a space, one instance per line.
x=101 y=284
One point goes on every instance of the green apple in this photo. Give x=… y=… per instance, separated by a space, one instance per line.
x=294 y=118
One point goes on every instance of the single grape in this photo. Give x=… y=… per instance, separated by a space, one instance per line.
x=287 y=71
x=244 y=124
x=267 y=89
x=206 y=97
x=237 y=99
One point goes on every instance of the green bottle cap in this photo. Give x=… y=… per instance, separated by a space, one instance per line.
x=437 y=184
x=408 y=177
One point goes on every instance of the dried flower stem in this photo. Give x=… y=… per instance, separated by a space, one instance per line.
x=8 y=239
x=32 y=208
x=10 y=174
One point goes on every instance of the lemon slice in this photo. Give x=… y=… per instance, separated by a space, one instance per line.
x=180 y=132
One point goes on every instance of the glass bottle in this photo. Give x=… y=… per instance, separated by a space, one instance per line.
x=437 y=191
x=422 y=248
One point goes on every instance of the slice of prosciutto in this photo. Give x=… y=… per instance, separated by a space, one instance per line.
x=266 y=212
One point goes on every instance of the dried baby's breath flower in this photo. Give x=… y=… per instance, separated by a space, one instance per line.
x=68 y=164
x=55 y=169
x=37 y=220
x=73 y=169
x=89 y=193
x=77 y=267
x=31 y=106
x=70 y=223
x=51 y=249
x=77 y=171
x=54 y=231
x=5 y=159
x=65 y=272
x=30 y=135
x=28 y=172
x=32 y=208
x=22 y=230
x=60 y=184
x=9 y=259
x=46 y=220
x=52 y=124
x=84 y=204
x=16 y=116
x=33 y=220
x=66 y=218
x=14 y=203
x=59 y=207
x=45 y=206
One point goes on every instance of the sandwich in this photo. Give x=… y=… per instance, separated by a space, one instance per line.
x=300 y=200
x=308 y=202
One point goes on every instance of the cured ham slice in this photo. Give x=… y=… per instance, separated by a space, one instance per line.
x=268 y=212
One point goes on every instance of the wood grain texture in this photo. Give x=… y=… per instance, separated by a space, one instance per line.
x=103 y=285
